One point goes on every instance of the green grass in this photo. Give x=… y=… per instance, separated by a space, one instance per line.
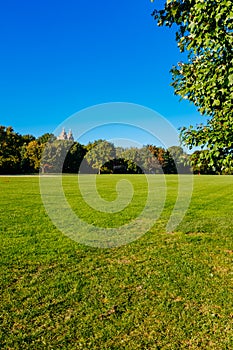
x=162 y=291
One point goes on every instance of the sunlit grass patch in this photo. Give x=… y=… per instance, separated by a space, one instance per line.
x=163 y=291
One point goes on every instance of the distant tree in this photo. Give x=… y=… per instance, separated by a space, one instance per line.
x=27 y=138
x=151 y=159
x=46 y=137
x=162 y=162
x=155 y=161
x=119 y=151
x=93 y=144
x=31 y=156
x=54 y=155
x=148 y=162
x=180 y=158
x=10 y=150
x=204 y=29
x=74 y=158
x=134 y=160
x=99 y=153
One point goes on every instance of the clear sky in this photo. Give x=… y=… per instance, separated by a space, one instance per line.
x=58 y=57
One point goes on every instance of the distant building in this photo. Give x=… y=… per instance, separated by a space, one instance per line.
x=64 y=136
x=70 y=136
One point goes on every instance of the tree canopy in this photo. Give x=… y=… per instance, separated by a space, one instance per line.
x=21 y=154
x=100 y=153
x=10 y=146
x=204 y=29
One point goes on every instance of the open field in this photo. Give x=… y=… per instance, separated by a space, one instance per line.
x=162 y=291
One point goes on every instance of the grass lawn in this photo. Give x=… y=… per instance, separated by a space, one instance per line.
x=162 y=291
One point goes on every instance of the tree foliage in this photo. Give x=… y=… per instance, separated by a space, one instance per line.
x=200 y=164
x=205 y=32
x=10 y=146
x=99 y=153
x=31 y=155
x=47 y=137
x=74 y=158
x=54 y=156
x=25 y=154
x=148 y=159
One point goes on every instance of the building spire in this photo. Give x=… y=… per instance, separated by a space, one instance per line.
x=64 y=136
x=70 y=136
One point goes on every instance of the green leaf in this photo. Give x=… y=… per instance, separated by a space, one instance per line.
x=230 y=78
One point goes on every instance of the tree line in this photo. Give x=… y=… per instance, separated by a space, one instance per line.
x=26 y=154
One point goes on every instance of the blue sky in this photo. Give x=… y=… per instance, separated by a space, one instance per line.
x=59 y=57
